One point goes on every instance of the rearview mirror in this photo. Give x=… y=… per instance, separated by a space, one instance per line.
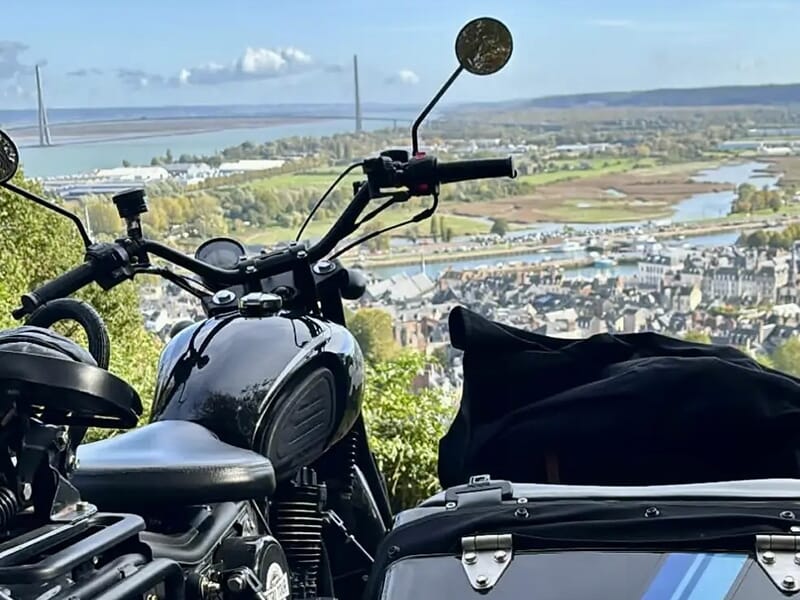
x=484 y=46
x=9 y=158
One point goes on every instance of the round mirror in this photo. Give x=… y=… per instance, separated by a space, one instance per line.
x=9 y=157
x=483 y=46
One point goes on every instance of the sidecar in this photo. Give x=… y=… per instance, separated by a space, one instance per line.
x=657 y=469
x=733 y=540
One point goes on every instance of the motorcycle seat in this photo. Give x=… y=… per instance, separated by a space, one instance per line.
x=169 y=463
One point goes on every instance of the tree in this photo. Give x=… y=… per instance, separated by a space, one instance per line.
x=373 y=329
x=499 y=227
x=168 y=156
x=405 y=427
x=434 y=229
x=758 y=239
x=448 y=234
x=786 y=357
x=37 y=245
x=697 y=336
x=126 y=163
x=775 y=202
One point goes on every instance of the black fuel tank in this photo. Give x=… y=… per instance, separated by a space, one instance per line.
x=286 y=386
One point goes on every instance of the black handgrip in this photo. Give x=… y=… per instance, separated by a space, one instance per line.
x=480 y=168
x=63 y=285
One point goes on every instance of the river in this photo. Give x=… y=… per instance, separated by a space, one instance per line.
x=68 y=159
x=697 y=206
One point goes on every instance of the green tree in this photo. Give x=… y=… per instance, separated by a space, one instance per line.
x=758 y=239
x=434 y=229
x=373 y=329
x=697 y=336
x=126 y=163
x=786 y=357
x=37 y=245
x=405 y=427
x=499 y=227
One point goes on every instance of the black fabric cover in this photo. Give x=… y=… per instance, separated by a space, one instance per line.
x=629 y=409
x=29 y=339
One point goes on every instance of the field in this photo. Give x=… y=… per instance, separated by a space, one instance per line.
x=609 y=190
x=460 y=226
x=601 y=195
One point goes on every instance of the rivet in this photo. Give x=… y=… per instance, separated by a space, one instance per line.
x=521 y=512
x=470 y=558
x=787 y=514
x=797 y=558
x=768 y=557
x=652 y=511
x=500 y=556
x=450 y=505
x=788 y=582
x=482 y=580
x=27 y=491
x=522 y=500
x=393 y=550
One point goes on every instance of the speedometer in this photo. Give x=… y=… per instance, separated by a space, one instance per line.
x=223 y=253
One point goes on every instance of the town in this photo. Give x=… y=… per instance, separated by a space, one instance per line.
x=731 y=295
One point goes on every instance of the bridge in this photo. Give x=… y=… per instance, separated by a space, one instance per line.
x=154 y=126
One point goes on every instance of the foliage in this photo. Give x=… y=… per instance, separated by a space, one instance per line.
x=749 y=199
x=499 y=227
x=373 y=329
x=697 y=336
x=786 y=357
x=774 y=239
x=405 y=427
x=37 y=245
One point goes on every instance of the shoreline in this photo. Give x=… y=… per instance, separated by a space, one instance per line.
x=514 y=249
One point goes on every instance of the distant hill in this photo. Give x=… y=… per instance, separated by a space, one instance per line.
x=731 y=95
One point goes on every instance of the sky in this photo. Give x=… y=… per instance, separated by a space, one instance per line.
x=97 y=53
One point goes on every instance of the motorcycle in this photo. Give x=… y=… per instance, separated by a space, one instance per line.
x=254 y=474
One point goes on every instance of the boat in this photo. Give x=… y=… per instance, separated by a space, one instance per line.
x=570 y=247
x=605 y=262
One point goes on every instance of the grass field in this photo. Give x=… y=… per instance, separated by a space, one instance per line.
x=459 y=225
x=563 y=196
x=621 y=165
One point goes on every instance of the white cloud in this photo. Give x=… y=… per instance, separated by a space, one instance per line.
x=404 y=77
x=255 y=63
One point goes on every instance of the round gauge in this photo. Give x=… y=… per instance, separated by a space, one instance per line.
x=220 y=252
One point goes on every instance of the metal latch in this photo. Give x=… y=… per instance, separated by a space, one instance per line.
x=779 y=557
x=485 y=558
x=481 y=489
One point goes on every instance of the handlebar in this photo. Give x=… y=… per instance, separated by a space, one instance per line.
x=421 y=175
x=60 y=287
x=482 y=168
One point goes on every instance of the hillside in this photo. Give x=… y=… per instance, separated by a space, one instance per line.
x=739 y=95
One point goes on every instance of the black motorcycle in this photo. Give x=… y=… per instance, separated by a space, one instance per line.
x=254 y=474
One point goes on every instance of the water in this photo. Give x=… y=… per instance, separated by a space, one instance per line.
x=435 y=269
x=718 y=204
x=74 y=158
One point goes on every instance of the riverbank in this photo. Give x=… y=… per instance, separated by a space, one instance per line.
x=599 y=195
x=398 y=259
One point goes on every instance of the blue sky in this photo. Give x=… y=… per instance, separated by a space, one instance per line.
x=146 y=52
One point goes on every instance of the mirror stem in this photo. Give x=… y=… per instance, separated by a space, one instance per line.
x=54 y=207
x=427 y=109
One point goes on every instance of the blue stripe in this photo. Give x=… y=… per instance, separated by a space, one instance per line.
x=669 y=576
x=702 y=565
x=718 y=577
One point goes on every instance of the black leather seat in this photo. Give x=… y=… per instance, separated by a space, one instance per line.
x=169 y=463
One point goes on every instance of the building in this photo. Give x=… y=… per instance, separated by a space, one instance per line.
x=241 y=166
x=190 y=172
x=654 y=269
